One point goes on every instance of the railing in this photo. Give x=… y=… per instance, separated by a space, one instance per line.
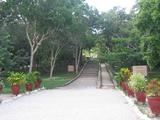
x=79 y=74
x=111 y=72
x=99 y=79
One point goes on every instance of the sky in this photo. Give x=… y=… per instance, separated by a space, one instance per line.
x=105 y=5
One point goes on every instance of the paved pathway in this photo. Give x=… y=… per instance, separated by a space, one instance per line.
x=78 y=101
x=106 y=80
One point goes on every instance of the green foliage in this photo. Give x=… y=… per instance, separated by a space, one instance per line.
x=150 y=49
x=113 y=24
x=123 y=75
x=153 y=88
x=120 y=42
x=29 y=78
x=5 y=47
x=36 y=74
x=20 y=46
x=16 y=78
x=123 y=59
x=148 y=22
x=72 y=24
x=118 y=77
x=138 y=82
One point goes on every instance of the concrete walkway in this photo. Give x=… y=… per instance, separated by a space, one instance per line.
x=77 y=101
x=106 y=80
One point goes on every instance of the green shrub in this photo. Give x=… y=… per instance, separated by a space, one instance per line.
x=30 y=78
x=153 y=88
x=16 y=78
x=138 y=82
x=118 y=77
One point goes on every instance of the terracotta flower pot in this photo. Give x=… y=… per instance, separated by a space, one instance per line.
x=29 y=87
x=37 y=84
x=141 y=96
x=130 y=92
x=15 y=89
x=154 y=104
x=123 y=84
x=1 y=88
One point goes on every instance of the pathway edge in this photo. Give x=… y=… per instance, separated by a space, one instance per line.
x=77 y=76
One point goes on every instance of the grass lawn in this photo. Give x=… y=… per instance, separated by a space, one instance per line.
x=57 y=81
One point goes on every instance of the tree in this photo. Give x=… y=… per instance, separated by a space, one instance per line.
x=35 y=40
x=20 y=47
x=148 y=22
x=121 y=38
x=36 y=17
x=111 y=22
x=81 y=28
x=5 y=48
x=59 y=41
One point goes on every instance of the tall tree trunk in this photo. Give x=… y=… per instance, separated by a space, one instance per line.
x=34 y=40
x=53 y=60
x=76 y=68
x=51 y=71
x=52 y=68
x=31 y=61
x=77 y=59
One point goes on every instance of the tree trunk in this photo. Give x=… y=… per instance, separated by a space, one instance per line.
x=76 y=69
x=53 y=60
x=35 y=41
x=52 y=68
x=31 y=61
x=51 y=72
x=77 y=59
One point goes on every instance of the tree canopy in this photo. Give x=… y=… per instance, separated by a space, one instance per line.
x=42 y=34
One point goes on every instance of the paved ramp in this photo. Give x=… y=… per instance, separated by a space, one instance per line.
x=106 y=80
x=87 y=79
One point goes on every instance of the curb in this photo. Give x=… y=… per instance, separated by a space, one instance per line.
x=22 y=95
x=135 y=108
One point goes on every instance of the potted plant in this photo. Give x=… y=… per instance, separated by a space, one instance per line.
x=138 y=83
x=37 y=81
x=16 y=79
x=1 y=86
x=29 y=79
x=153 y=96
x=118 y=78
x=126 y=73
x=129 y=90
